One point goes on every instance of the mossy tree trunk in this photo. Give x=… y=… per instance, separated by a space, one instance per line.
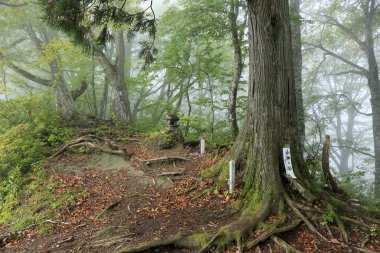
x=271 y=115
x=270 y=121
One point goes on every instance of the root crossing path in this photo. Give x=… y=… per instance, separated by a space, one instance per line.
x=123 y=202
x=156 y=201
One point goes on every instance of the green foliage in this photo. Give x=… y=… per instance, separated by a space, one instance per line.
x=82 y=19
x=326 y=218
x=356 y=185
x=28 y=130
x=28 y=133
x=374 y=230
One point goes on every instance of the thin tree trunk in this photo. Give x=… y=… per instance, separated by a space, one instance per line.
x=374 y=86
x=297 y=64
x=238 y=67
x=94 y=102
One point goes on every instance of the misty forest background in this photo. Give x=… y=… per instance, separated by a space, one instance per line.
x=193 y=64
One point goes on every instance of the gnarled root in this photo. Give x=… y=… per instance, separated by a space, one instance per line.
x=153 y=244
x=238 y=229
x=288 y=248
x=273 y=231
x=93 y=142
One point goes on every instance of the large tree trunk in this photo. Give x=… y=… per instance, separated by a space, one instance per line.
x=64 y=99
x=270 y=122
x=271 y=118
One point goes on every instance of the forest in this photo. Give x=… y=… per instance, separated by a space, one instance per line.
x=190 y=126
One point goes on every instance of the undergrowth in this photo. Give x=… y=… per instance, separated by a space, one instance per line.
x=29 y=131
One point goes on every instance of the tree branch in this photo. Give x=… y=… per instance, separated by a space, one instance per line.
x=348 y=72
x=353 y=105
x=355 y=150
x=29 y=75
x=80 y=90
x=347 y=31
x=341 y=58
x=16 y=42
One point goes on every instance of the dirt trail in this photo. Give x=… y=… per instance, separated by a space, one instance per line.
x=149 y=202
x=128 y=202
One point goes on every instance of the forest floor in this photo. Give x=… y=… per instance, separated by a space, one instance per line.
x=127 y=202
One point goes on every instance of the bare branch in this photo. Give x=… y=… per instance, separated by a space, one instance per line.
x=341 y=58
x=16 y=42
x=355 y=150
x=348 y=72
x=353 y=105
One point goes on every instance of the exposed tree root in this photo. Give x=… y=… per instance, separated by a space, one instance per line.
x=307 y=222
x=92 y=142
x=10 y=236
x=161 y=161
x=153 y=244
x=306 y=194
x=108 y=208
x=270 y=232
x=288 y=248
x=340 y=224
x=247 y=222
x=111 y=241
x=238 y=229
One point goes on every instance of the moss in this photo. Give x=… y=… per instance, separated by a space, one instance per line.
x=159 y=140
x=25 y=222
x=220 y=169
x=198 y=241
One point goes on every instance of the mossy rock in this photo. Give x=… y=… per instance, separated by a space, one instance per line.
x=159 y=140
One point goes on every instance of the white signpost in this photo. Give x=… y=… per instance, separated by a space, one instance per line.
x=288 y=161
x=203 y=146
x=232 y=177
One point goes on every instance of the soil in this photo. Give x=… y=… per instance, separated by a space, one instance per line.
x=147 y=206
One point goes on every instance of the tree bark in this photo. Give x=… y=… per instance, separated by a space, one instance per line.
x=104 y=100
x=270 y=121
x=295 y=25
x=115 y=74
x=374 y=86
x=238 y=66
